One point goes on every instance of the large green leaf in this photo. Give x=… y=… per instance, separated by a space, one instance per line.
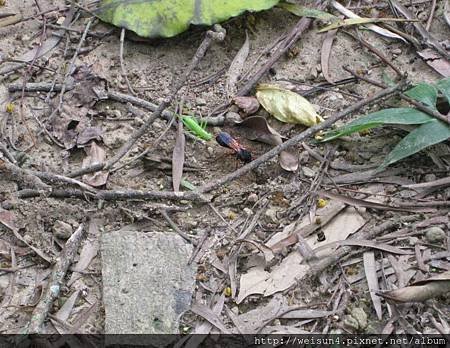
x=428 y=134
x=386 y=116
x=424 y=93
x=444 y=86
x=167 y=18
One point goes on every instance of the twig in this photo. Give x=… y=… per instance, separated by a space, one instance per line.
x=23 y=176
x=176 y=228
x=302 y=25
x=297 y=139
x=122 y=67
x=417 y=104
x=116 y=195
x=4 y=150
x=53 y=289
x=377 y=52
x=430 y=18
x=38 y=87
x=69 y=71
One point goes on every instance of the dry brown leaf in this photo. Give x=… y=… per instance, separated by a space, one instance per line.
x=370 y=269
x=420 y=291
x=95 y=155
x=178 y=158
x=326 y=52
x=437 y=62
x=88 y=134
x=249 y=105
x=280 y=278
x=257 y=128
x=363 y=203
x=236 y=67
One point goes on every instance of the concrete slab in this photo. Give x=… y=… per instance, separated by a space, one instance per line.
x=147 y=283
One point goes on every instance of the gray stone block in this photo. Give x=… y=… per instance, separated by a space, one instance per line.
x=147 y=283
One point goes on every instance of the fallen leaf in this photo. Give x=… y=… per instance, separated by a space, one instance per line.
x=287 y=106
x=178 y=158
x=257 y=128
x=88 y=134
x=207 y=314
x=436 y=61
x=249 y=105
x=255 y=318
x=95 y=155
x=372 y=281
x=236 y=68
x=281 y=277
x=64 y=312
x=420 y=291
x=325 y=53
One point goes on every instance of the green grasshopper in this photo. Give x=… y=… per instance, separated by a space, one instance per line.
x=196 y=128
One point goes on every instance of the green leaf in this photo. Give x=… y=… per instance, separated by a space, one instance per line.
x=424 y=93
x=167 y=18
x=386 y=116
x=357 y=21
x=426 y=135
x=303 y=11
x=444 y=86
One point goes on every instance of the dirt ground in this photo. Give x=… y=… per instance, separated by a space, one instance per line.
x=276 y=197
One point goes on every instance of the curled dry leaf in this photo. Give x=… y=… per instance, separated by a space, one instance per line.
x=236 y=67
x=249 y=105
x=287 y=106
x=257 y=128
x=422 y=290
x=95 y=155
x=325 y=53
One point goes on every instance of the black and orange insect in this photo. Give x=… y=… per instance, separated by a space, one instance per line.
x=226 y=140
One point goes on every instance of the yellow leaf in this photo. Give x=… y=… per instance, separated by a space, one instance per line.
x=287 y=106
x=9 y=106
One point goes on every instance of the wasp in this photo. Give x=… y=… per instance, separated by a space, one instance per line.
x=226 y=140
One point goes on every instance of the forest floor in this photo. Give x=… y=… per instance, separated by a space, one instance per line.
x=255 y=270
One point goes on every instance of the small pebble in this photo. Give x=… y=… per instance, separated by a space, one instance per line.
x=413 y=241
x=430 y=177
x=62 y=230
x=252 y=198
x=271 y=213
x=435 y=235
x=396 y=51
x=200 y=101
x=248 y=211
x=210 y=150
x=361 y=317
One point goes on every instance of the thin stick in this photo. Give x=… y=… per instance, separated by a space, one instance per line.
x=302 y=25
x=122 y=67
x=430 y=18
x=417 y=104
x=297 y=139
x=53 y=289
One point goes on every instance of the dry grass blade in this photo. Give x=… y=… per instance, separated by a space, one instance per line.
x=374 y=245
x=372 y=280
x=362 y=203
x=178 y=158
x=236 y=68
x=325 y=53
